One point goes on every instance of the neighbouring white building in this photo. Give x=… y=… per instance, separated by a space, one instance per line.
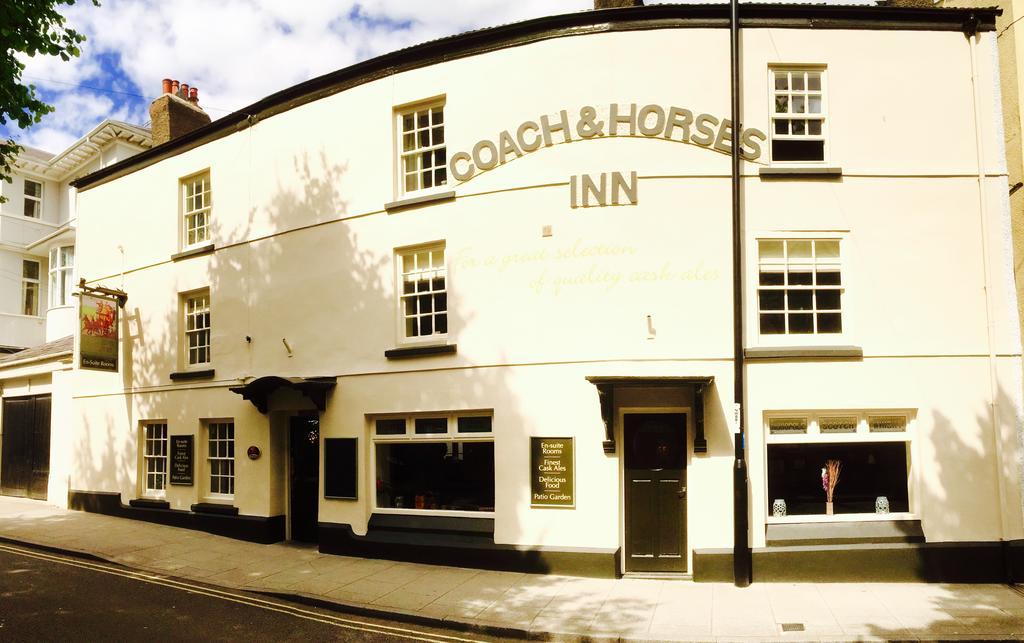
x=37 y=309
x=472 y=302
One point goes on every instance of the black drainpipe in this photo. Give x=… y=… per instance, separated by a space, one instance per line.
x=741 y=555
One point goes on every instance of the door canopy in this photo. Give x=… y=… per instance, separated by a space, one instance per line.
x=260 y=389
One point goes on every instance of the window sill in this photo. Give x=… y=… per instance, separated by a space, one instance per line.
x=451 y=521
x=803 y=352
x=805 y=172
x=420 y=351
x=437 y=197
x=215 y=508
x=825 y=518
x=849 y=529
x=185 y=376
x=194 y=252
x=149 y=503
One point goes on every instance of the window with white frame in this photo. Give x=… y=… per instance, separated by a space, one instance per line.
x=800 y=287
x=197 y=328
x=441 y=462
x=196 y=210
x=871 y=450
x=423 y=292
x=33 y=199
x=62 y=266
x=221 y=457
x=154 y=456
x=798 y=114
x=29 y=287
x=423 y=158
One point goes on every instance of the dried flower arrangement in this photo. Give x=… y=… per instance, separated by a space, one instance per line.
x=829 y=480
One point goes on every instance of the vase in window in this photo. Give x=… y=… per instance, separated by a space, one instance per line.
x=779 y=508
x=828 y=508
x=881 y=505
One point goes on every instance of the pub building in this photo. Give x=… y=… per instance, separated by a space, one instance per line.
x=472 y=303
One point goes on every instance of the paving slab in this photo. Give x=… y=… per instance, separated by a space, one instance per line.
x=542 y=606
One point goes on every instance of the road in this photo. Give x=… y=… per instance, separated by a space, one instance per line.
x=50 y=597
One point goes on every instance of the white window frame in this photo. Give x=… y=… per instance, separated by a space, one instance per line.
x=410 y=435
x=401 y=297
x=848 y=301
x=31 y=198
x=62 y=276
x=217 y=457
x=798 y=116
x=412 y=157
x=149 y=458
x=190 y=313
x=28 y=283
x=196 y=218
x=862 y=435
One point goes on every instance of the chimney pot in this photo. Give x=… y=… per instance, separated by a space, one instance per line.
x=171 y=118
x=167 y=86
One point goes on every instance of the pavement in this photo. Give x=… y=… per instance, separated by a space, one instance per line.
x=527 y=605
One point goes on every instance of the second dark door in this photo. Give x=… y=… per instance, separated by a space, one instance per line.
x=304 y=444
x=25 y=457
x=655 y=470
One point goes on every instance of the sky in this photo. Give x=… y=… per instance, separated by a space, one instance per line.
x=234 y=51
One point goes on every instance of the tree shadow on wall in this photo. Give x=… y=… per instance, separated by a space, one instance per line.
x=961 y=477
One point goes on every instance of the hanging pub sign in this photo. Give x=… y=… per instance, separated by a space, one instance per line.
x=181 y=459
x=552 y=473
x=97 y=326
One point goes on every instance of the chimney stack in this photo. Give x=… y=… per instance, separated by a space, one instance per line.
x=616 y=4
x=176 y=112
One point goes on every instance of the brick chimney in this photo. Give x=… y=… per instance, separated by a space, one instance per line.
x=615 y=4
x=176 y=112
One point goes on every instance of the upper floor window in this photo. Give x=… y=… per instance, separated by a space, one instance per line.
x=423 y=162
x=798 y=114
x=196 y=210
x=29 y=287
x=423 y=292
x=799 y=286
x=197 y=328
x=62 y=266
x=33 y=199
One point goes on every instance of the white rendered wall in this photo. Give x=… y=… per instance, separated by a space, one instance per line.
x=305 y=253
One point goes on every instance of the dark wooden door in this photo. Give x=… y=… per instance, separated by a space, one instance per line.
x=655 y=469
x=304 y=441
x=25 y=454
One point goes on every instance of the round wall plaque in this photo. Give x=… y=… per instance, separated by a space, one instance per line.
x=253 y=452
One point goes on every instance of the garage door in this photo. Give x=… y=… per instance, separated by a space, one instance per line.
x=25 y=451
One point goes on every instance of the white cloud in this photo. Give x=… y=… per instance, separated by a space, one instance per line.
x=238 y=51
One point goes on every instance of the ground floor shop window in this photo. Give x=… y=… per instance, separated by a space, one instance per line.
x=850 y=462
x=868 y=471
x=434 y=463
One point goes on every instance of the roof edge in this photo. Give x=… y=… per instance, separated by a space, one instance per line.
x=793 y=16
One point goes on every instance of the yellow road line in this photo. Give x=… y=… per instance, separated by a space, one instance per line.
x=298 y=612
